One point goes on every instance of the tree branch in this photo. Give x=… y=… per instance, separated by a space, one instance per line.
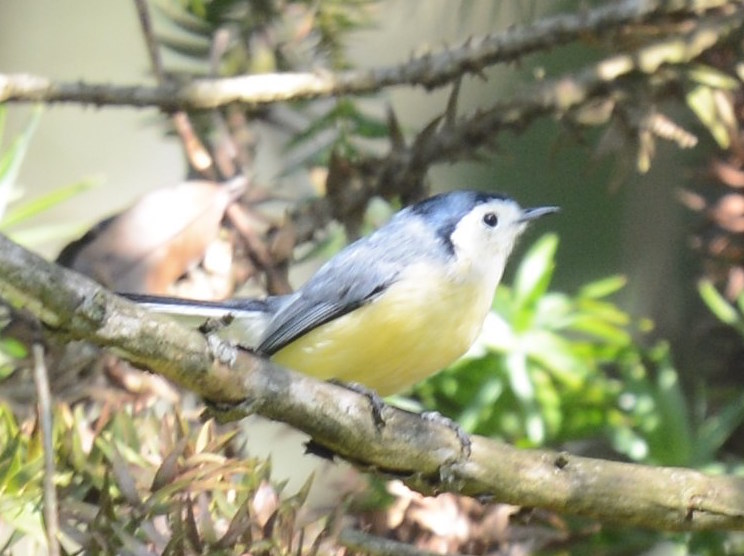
x=429 y=70
x=610 y=80
x=197 y=155
x=427 y=455
x=558 y=97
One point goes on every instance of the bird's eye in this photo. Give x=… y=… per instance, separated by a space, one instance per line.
x=490 y=219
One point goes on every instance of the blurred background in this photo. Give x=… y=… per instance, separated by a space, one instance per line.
x=646 y=214
x=639 y=229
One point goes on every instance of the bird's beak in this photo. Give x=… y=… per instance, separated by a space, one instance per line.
x=533 y=213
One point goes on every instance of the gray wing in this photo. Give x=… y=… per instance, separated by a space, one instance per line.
x=354 y=277
x=344 y=284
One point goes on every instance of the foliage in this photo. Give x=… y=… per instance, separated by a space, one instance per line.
x=342 y=127
x=264 y=36
x=140 y=482
x=709 y=97
x=12 y=216
x=724 y=311
x=553 y=368
x=21 y=470
x=11 y=159
x=270 y=36
x=11 y=350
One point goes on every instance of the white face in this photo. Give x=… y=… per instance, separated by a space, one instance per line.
x=484 y=238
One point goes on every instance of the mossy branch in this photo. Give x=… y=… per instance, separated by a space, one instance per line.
x=426 y=454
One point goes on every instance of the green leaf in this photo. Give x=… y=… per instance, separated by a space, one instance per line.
x=556 y=354
x=343 y=119
x=740 y=303
x=320 y=123
x=718 y=305
x=536 y=270
x=601 y=330
x=608 y=312
x=9 y=461
x=182 y=19
x=603 y=288
x=13 y=348
x=716 y=430
x=629 y=442
x=45 y=202
x=369 y=127
x=485 y=397
x=193 y=46
x=11 y=160
x=712 y=77
x=519 y=377
x=23 y=518
x=702 y=101
x=535 y=427
x=673 y=443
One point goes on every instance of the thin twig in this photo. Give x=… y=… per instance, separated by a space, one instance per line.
x=428 y=70
x=610 y=79
x=44 y=396
x=197 y=154
x=570 y=91
x=153 y=51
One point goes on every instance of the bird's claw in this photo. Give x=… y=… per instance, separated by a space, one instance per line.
x=377 y=403
x=466 y=444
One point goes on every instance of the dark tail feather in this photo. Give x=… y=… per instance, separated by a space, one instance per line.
x=196 y=307
x=250 y=316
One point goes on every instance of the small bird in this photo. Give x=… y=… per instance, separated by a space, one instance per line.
x=392 y=308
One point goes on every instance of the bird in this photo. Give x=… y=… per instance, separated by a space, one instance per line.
x=391 y=308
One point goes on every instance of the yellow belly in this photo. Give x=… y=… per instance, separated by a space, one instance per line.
x=414 y=329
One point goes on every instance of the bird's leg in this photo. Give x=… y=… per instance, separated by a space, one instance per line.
x=377 y=403
x=226 y=353
x=222 y=350
x=214 y=324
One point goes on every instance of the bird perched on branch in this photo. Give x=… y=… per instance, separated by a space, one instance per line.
x=391 y=308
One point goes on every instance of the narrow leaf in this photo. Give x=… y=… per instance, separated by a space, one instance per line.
x=45 y=202
x=604 y=287
x=717 y=304
x=536 y=270
x=10 y=162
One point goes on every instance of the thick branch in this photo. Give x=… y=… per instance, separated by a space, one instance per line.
x=426 y=454
x=428 y=70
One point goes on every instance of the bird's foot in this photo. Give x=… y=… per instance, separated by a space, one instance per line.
x=465 y=442
x=376 y=402
x=213 y=325
x=223 y=351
